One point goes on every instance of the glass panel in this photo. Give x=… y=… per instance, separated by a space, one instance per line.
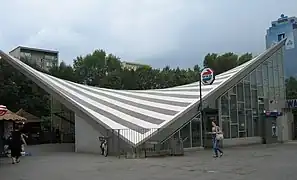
x=240 y=91
x=233 y=112
x=249 y=126
x=259 y=76
x=255 y=102
x=185 y=135
x=270 y=74
x=254 y=80
x=234 y=131
x=241 y=117
x=265 y=79
x=276 y=75
x=247 y=78
x=282 y=93
x=240 y=106
x=225 y=104
x=277 y=93
x=196 y=132
x=271 y=93
x=256 y=126
x=260 y=91
x=247 y=93
x=261 y=108
x=280 y=68
x=234 y=90
x=226 y=127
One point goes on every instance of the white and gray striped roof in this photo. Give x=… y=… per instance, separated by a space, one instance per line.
x=140 y=111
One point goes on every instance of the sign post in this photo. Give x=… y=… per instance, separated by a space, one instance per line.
x=207 y=77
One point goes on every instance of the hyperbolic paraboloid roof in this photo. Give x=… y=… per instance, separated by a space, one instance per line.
x=141 y=111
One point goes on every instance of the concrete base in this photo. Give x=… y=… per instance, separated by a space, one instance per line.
x=242 y=141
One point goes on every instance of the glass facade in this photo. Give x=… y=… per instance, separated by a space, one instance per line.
x=241 y=105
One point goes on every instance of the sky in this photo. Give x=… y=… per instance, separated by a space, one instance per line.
x=159 y=33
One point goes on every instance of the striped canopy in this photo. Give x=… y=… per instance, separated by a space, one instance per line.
x=141 y=112
x=3 y=110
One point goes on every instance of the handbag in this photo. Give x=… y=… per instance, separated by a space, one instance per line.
x=219 y=135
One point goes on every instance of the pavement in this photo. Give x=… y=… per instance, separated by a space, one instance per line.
x=258 y=162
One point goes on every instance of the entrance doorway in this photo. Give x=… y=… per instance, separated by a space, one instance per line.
x=197 y=132
x=192 y=133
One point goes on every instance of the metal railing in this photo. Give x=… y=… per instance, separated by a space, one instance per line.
x=140 y=143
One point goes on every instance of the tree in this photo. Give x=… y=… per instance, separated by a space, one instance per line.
x=244 y=58
x=17 y=92
x=291 y=88
x=225 y=62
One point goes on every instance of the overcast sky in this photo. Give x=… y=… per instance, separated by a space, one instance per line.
x=156 y=32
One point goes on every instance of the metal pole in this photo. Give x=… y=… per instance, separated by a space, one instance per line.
x=201 y=111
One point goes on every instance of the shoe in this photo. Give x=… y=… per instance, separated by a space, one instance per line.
x=221 y=154
x=18 y=161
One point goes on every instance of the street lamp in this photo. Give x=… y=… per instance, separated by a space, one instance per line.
x=207 y=77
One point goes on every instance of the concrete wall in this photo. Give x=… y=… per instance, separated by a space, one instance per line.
x=86 y=137
x=242 y=141
x=285 y=124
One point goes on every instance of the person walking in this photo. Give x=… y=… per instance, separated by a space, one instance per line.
x=217 y=136
x=16 y=142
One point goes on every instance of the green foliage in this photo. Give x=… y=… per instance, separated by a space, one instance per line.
x=291 y=90
x=225 y=62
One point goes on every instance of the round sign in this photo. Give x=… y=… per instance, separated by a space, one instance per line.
x=3 y=110
x=207 y=76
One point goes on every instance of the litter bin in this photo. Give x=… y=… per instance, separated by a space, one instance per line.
x=269 y=129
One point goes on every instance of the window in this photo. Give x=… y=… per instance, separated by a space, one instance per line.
x=256 y=126
x=259 y=76
x=241 y=120
x=185 y=135
x=247 y=78
x=247 y=95
x=271 y=93
x=270 y=74
x=265 y=79
x=255 y=102
x=260 y=91
x=280 y=36
x=48 y=64
x=234 y=131
x=249 y=122
x=225 y=104
x=48 y=57
x=254 y=80
x=226 y=127
x=261 y=108
x=240 y=91
x=25 y=55
x=233 y=111
x=276 y=70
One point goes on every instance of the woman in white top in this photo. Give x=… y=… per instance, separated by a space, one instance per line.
x=217 y=135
